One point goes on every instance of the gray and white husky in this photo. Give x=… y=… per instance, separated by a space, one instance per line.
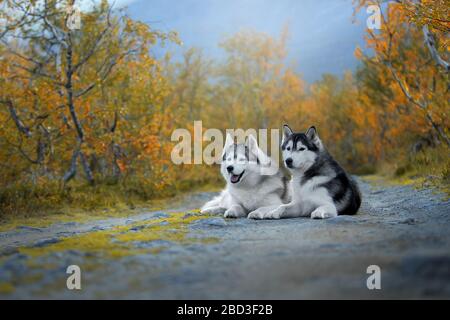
x=247 y=187
x=320 y=188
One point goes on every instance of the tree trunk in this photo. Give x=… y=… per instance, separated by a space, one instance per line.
x=87 y=169
x=72 y=171
x=74 y=116
x=438 y=129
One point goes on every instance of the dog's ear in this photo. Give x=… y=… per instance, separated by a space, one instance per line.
x=255 y=153
x=286 y=132
x=252 y=144
x=228 y=142
x=312 y=135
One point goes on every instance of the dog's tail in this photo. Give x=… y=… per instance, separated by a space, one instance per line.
x=355 y=201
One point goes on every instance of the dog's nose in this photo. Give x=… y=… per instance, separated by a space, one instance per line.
x=288 y=162
x=230 y=168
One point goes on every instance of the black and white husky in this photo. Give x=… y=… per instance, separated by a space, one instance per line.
x=320 y=188
x=248 y=188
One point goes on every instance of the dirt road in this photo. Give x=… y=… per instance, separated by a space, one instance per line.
x=182 y=254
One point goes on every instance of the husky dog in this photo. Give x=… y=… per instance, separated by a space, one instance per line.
x=320 y=188
x=247 y=188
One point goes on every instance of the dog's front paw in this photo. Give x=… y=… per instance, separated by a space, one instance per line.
x=212 y=210
x=274 y=214
x=322 y=213
x=230 y=213
x=256 y=215
x=261 y=212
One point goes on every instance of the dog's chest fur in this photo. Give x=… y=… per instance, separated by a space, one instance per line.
x=309 y=191
x=252 y=199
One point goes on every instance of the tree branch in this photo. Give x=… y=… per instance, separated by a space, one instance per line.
x=19 y=124
x=96 y=43
x=431 y=44
x=422 y=106
x=105 y=73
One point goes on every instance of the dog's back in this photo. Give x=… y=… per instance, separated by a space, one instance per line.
x=342 y=188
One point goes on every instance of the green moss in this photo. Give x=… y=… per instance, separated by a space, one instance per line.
x=47 y=201
x=418 y=182
x=425 y=169
x=386 y=180
x=429 y=168
x=88 y=205
x=120 y=241
x=74 y=215
x=6 y=288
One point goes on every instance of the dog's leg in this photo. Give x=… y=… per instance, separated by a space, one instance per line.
x=236 y=211
x=214 y=206
x=215 y=202
x=213 y=210
x=261 y=212
x=324 y=212
x=289 y=210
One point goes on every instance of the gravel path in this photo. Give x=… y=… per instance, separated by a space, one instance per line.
x=406 y=232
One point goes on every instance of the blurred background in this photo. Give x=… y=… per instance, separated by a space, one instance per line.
x=319 y=36
x=91 y=91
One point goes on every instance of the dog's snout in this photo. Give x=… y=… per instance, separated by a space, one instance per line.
x=230 y=168
x=288 y=162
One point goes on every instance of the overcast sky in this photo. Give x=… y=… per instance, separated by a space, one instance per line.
x=322 y=35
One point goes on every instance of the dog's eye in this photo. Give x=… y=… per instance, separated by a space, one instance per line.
x=288 y=148
x=302 y=149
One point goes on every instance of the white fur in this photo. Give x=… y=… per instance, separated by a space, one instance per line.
x=253 y=191
x=307 y=200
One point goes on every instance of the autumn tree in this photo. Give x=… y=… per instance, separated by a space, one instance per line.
x=57 y=80
x=252 y=71
x=410 y=50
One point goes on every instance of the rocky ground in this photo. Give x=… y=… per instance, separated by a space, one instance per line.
x=182 y=254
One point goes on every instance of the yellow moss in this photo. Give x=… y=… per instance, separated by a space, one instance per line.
x=118 y=242
x=371 y=177
x=208 y=240
x=382 y=181
x=418 y=182
x=6 y=288
x=70 y=214
x=94 y=242
x=30 y=278
x=427 y=169
x=35 y=264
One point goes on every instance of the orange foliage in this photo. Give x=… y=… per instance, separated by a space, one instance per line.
x=127 y=112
